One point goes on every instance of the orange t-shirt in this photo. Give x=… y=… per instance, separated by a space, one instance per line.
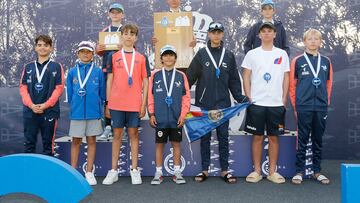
x=124 y=97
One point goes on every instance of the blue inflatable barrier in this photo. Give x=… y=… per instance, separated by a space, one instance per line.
x=46 y=177
x=350 y=183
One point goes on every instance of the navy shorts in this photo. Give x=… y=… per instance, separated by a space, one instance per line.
x=121 y=119
x=261 y=118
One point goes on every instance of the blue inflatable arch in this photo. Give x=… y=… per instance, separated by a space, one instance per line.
x=46 y=177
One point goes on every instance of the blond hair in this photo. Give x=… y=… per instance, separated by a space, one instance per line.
x=312 y=31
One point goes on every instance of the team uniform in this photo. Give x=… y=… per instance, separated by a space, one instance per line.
x=41 y=83
x=85 y=100
x=167 y=115
x=267 y=75
x=212 y=92
x=125 y=99
x=253 y=41
x=310 y=90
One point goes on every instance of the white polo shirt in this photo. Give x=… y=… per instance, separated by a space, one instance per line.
x=267 y=75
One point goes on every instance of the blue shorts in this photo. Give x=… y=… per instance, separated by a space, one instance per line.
x=121 y=119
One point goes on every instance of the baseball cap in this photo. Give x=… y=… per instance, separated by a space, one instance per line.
x=216 y=26
x=86 y=45
x=267 y=25
x=116 y=6
x=167 y=48
x=267 y=2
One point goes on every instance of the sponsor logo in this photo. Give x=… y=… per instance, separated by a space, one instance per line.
x=207 y=64
x=84 y=167
x=178 y=83
x=304 y=65
x=250 y=127
x=305 y=73
x=169 y=163
x=224 y=65
x=278 y=60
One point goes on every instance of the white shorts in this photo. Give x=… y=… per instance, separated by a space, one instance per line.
x=82 y=128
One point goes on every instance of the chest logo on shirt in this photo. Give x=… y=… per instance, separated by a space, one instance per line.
x=304 y=65
x=207 y=64
x=158 y=86
x=304 y=71
x=178 y=83
x=29 y=71
x=324 y=67
x=278 y=60
x=75 y=81
x=54 y=73
x=224 y=65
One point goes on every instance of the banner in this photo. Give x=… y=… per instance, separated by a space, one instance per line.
x=198 y=124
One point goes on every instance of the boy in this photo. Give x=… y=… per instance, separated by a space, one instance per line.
x=169 y=102
x=311 y=77
x=266 y=82
x=127 y=80
x=116 y=14
x=41 y=85
x=253 y=41
x=215 y=72
x=86 y=91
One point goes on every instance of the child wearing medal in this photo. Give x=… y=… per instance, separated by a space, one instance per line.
x=41 y=85
x=311 y=77
x=85 y=86
x=168 y=104
x=126 y=91
x=266 y=83
x=215 y=72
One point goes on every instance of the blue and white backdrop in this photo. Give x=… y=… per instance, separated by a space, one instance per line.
x=71 y=21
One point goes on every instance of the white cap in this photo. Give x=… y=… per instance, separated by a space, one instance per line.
x=167 y=48
x=86 y=45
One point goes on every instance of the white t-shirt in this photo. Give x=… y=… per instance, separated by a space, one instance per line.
x=267 y=75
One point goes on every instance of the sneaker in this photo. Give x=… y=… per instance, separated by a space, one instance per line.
x=178 y=178
x=158 y=178
x=107 y=133
x=135 y=177
x=90 y=178
x=111 y=177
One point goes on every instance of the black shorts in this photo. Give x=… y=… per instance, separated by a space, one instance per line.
x=163 y=134
x=260 y=117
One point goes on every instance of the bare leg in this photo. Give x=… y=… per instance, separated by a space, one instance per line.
x=75 y=149
x=273 y=153
x=159 y=154
x=91 y=142
x=257 y=152
x=116 y=144
x=134 y=141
